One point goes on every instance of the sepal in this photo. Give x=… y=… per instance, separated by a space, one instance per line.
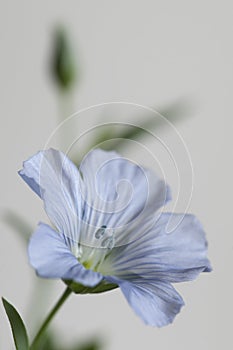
x=78 y=288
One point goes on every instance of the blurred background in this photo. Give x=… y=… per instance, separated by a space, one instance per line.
x=175 y=57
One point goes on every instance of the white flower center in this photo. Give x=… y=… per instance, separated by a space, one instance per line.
x=92 y=257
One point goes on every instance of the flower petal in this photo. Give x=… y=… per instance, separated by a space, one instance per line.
x=51 y=257
x=155 y=303
x=56 y=180
x=118 y=192
x=173 y=257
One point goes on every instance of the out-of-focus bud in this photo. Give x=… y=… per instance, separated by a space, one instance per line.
x=63 y=68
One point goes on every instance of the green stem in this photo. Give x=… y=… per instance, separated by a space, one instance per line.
x=50 y=316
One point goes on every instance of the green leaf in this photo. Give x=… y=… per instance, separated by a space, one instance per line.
x=92 y=345
x=17 y=326
x=18 y=224
x=119 y=135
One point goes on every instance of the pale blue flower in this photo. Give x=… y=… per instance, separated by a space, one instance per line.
x=107 y=231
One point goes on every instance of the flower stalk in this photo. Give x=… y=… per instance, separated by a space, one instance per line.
x=50 y=316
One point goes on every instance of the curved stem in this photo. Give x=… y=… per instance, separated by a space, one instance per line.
x=50 y=316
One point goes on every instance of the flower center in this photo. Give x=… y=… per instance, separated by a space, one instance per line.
x=106 y=236
x=93 y=257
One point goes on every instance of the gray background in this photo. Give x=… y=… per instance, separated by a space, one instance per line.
x=145 y=52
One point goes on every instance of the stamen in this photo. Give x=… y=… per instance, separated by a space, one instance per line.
x=92 y=257
x=108 y=242
x=100 y=232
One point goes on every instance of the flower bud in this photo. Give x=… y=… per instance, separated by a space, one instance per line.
x=63 y=69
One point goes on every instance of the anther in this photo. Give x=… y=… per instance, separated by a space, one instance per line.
x=108 y=242
x=100 y=232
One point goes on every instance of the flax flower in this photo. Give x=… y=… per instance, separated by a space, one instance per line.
x=107 y=231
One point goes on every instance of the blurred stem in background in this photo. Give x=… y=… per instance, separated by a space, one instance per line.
x=64 y=74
